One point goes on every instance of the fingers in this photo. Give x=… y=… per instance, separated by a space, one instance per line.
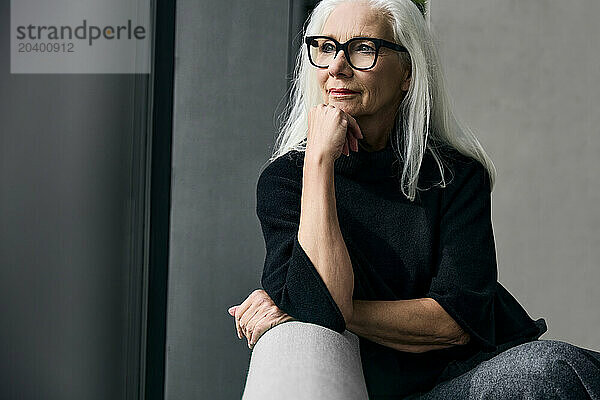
x=232 y=310
x=237 y=324
x=245 y=311
x=240 y=311
x=263 y=325
x=320 y=118
x=353 y=132
x=345 y=150
x=257 y=314
x=271 y=318
x=351 y=141
x=356 y=132
x=346 y=119
x=247 y=317
x=255 y=327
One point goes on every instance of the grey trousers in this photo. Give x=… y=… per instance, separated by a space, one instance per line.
x=297 y=360
x=541 y=369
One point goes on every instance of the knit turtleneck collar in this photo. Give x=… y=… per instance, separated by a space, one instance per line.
x=369 y=165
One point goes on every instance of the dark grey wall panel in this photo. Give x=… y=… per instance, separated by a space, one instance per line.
x=230 y=74
x=67 y=196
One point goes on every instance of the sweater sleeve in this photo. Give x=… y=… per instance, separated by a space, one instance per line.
x=289 y=277
x=465 y=282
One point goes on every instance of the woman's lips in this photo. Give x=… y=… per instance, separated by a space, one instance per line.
x=341 y=92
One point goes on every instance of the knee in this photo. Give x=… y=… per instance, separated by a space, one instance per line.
x=534 y=368
x=544 y=360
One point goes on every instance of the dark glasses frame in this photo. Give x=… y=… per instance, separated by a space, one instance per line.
x=344 y=47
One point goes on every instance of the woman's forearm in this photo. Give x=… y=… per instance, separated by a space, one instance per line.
x=414 y=325
x=319 y=232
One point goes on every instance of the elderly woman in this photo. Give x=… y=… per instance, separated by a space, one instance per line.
x=376 y=214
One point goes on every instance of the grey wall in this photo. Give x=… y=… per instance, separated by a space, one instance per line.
x=525 y=76
x=230 y=75
x=67 y=189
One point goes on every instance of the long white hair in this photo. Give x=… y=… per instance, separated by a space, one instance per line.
x=425 y=114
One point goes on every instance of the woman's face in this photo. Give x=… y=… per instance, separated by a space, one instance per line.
x=380 y=89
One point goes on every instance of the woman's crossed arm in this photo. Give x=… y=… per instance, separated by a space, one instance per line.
x=413 y=325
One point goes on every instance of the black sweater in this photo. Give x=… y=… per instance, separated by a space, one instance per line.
x=439 y=246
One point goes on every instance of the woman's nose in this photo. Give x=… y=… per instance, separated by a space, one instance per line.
x=339 y=65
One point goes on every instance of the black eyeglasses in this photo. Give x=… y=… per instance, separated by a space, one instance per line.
x=361 y=52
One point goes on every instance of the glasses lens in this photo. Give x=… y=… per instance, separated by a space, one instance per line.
x=322 y=51
x=362 y=53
